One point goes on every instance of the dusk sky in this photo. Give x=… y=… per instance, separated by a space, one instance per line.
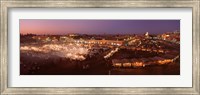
x=59 y=27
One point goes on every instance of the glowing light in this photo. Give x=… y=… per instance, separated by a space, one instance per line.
x=75 y=52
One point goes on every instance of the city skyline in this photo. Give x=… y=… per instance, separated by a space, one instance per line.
x=62 y=27
x=110 y=47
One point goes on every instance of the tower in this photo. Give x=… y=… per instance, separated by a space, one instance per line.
x=146 y=34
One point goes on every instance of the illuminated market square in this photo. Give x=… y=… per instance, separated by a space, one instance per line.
x=99 y=47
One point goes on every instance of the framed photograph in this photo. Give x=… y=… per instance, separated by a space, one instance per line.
x=100 y=47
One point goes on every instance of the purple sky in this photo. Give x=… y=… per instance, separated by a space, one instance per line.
x=42 y=26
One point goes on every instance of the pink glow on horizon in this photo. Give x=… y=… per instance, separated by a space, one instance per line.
x=45 y=27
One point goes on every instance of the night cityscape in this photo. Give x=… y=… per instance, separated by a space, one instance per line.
x=99 y=47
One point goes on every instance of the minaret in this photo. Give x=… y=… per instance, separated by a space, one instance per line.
x=146 y=34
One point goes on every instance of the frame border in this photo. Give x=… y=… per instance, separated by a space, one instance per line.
x=6 y=4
